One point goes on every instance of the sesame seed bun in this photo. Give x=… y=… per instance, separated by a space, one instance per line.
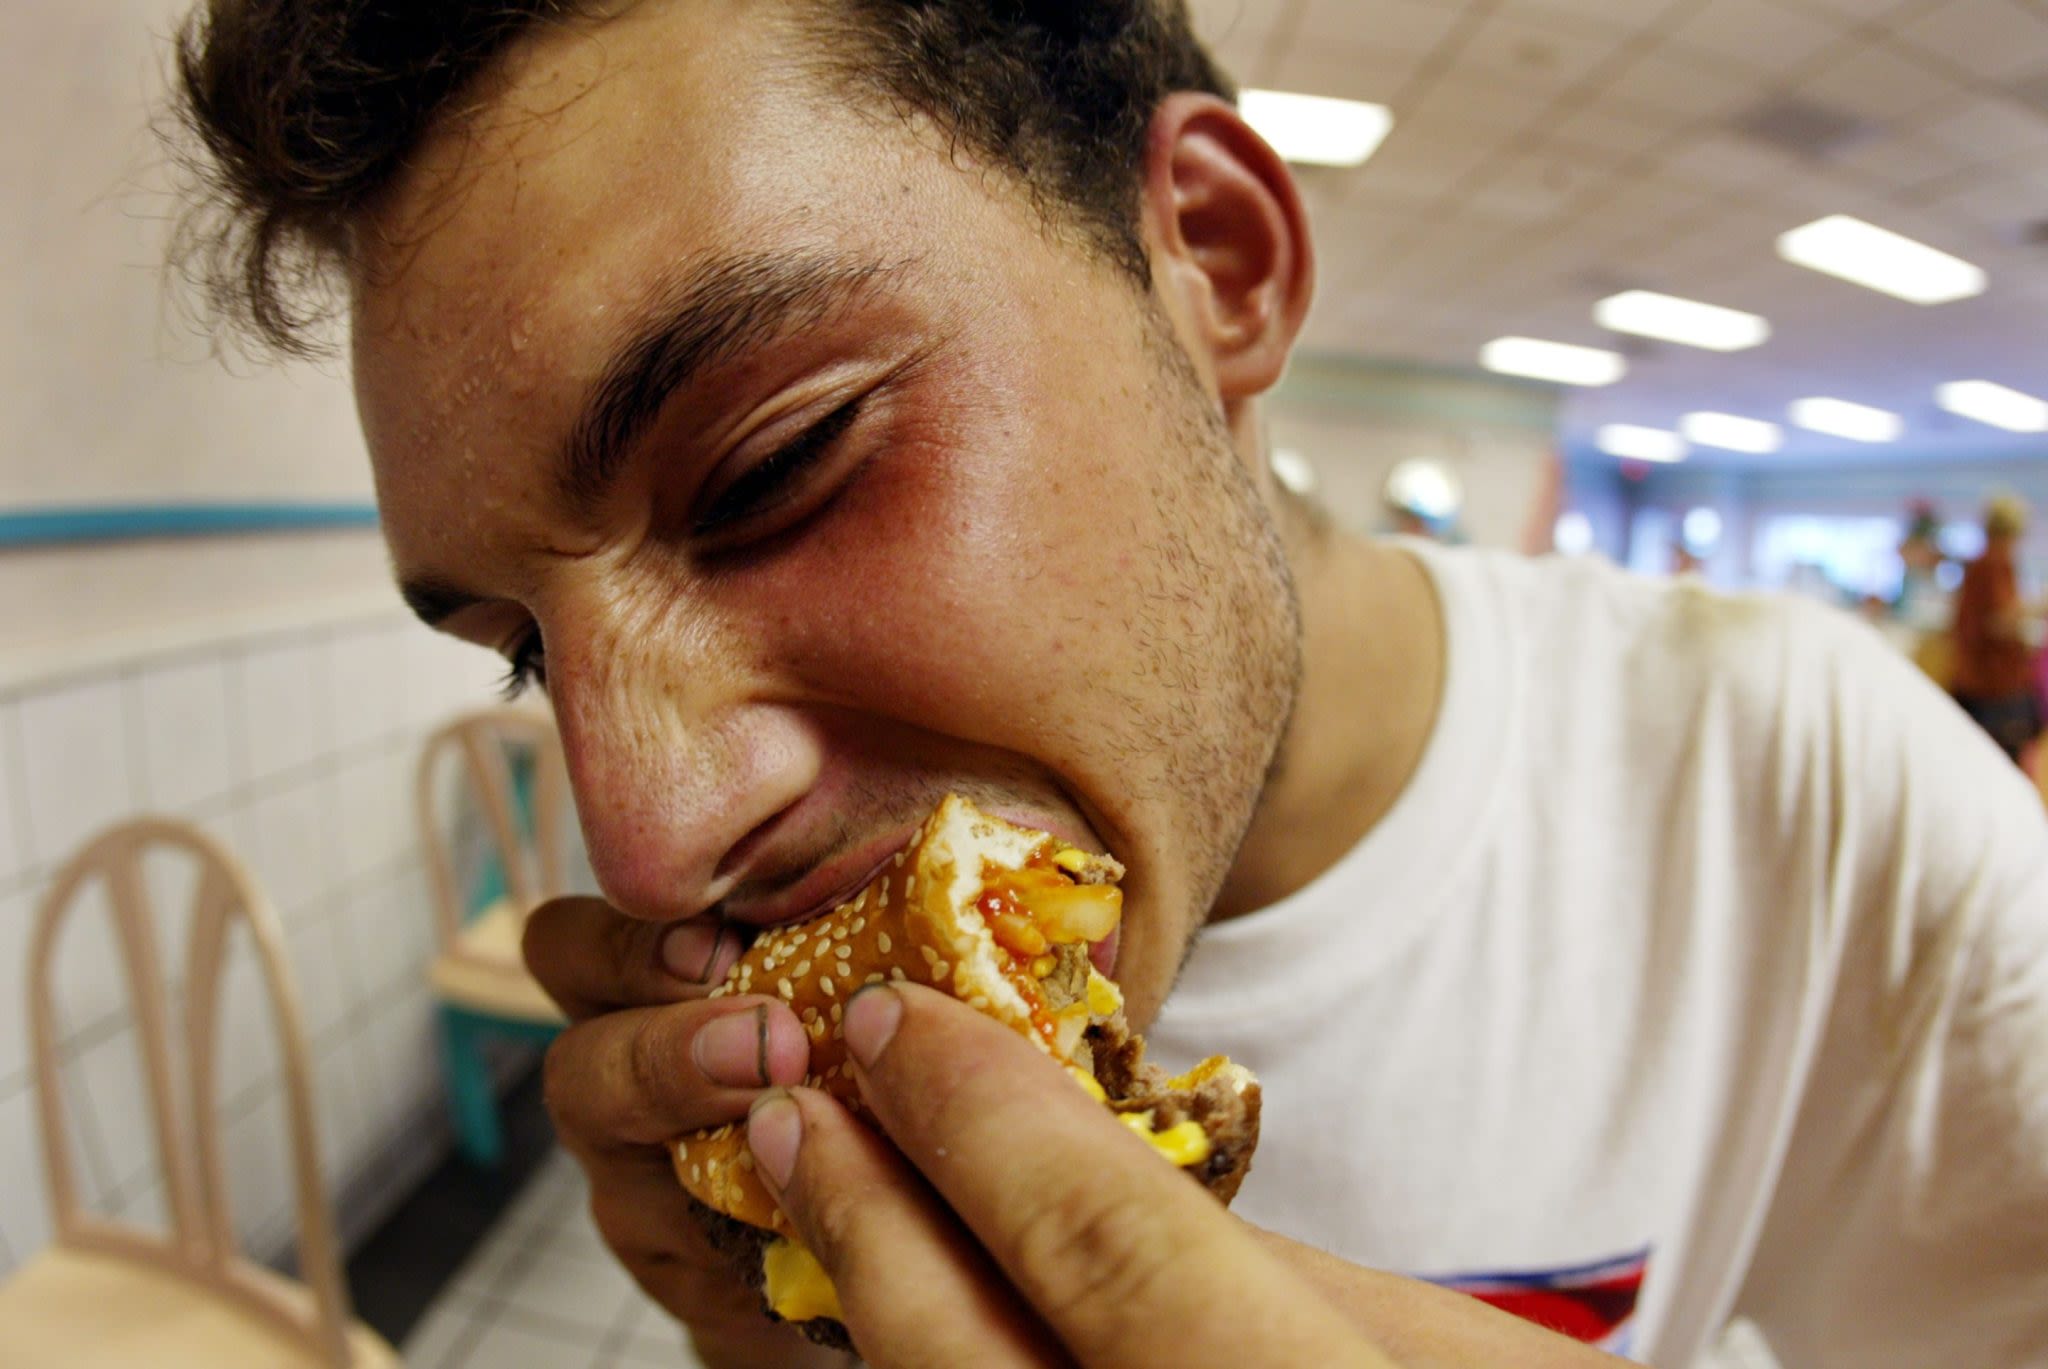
x=922 y=920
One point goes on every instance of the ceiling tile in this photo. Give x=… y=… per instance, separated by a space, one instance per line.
x=1473 y=101
x=1534 y=186
x=1236 y=25
x=1549 y=58
x=1615 y=127
x=1903 y=159
x=1993 y=40
x=1758 y=35
x=1347 y=71
x=2003 y=203
x=1685 y=86
x=1415 y=28
x=1990 y=130
x=1882 y=84
x=1722 y=161
x=1625 y=14
x=1420 y=161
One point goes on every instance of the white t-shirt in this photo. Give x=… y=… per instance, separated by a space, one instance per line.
x=1701 y=971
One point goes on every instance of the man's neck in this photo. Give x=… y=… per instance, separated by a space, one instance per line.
x=1372 y=678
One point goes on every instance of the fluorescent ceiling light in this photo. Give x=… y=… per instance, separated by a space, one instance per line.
x=1315 y=129
x=1881 y=260
x=1562 y=362
x=1735 y=433
x=1994 y=404
x=1649 y=314
x=1840 y=418
x=1293 y=471
x=1640 y=444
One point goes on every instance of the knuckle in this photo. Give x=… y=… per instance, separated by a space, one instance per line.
x=559 y=1072
x=650 y=1061
x=1087 y=1252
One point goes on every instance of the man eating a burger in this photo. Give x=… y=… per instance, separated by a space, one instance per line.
x=837 y=405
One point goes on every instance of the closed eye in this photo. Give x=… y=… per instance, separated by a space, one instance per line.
x=526 y=664
x=769 y=484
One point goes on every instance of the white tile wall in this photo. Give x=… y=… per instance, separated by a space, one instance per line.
x=23 y=1217
x=290 y=843
x=13 y=820
x=74 y=760
x=287 y=706
x=15 y=909
x=185 y=748
x=296 y=748
x=110 y=1076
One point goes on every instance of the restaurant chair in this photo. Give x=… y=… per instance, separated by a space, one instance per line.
x=109 y=1295
x=509 y=769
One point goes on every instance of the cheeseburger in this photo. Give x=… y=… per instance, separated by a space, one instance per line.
x=1002 y=918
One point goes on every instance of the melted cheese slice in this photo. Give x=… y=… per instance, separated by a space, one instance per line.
x=796 y=1285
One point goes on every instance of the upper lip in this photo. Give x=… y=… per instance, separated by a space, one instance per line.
x=823 y=888
x=833 y=881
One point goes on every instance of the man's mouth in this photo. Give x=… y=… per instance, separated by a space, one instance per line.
x=841 y=878
x=828 y=885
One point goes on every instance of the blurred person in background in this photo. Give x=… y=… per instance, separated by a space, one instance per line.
x=1993 y=667
x=1923 y=606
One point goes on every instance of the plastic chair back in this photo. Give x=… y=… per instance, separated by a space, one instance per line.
x=201 y=1245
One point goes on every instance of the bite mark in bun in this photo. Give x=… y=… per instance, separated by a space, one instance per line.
x=1001 y=917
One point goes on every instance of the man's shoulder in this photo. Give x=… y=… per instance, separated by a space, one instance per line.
x=1583 y=612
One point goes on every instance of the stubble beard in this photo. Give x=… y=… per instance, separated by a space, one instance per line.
x=1224 y=616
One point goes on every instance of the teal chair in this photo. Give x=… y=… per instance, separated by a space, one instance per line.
x=493 y=799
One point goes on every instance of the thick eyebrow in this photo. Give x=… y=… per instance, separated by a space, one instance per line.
x=705 y=317
x=435 y=601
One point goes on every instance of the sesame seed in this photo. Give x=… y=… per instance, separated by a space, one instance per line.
x=746 y=1159
x=837 y=1013
x=803 y=967
x=874 y=978
x=931 y=957
x=843 y=951
x=808 y=1016
x=696 y=1173
x=909 y=886
x=827 y=986
x=782 y=987
x=860 y=924
x=884 y=943
x=896 y=973
x=979 y=1000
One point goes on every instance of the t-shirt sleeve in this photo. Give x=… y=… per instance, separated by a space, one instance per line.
x=1909 y=1226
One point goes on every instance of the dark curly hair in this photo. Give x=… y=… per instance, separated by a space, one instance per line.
x=304 y=111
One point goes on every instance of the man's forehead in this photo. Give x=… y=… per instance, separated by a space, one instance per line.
x=599 y=156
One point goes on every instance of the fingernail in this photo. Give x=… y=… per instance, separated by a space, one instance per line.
x=733 y=1050
x=871 y=1018
x=775 y=1128
x=691 y=950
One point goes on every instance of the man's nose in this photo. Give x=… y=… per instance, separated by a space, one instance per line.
x=674 y=762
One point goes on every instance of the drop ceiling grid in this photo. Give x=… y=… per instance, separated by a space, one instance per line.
x=1548 y=151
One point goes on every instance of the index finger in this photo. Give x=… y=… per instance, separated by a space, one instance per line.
x=1128 y=1260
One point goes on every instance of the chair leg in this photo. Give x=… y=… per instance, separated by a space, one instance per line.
x=472 y=1102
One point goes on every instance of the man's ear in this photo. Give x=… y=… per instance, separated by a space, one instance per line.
x=1229 y=240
